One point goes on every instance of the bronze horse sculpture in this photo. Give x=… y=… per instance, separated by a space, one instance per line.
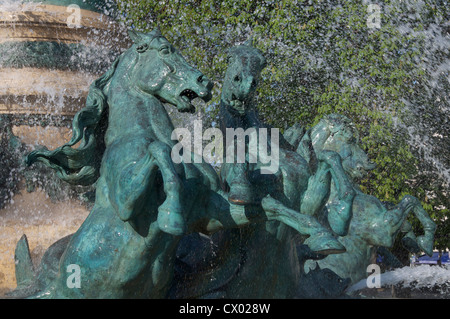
x=294 y=185
x=254 y=251
x=373 y=225
x=144 y=202
x=247 y=263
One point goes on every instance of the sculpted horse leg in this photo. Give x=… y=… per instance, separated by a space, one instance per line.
x=318 y=191
x=409 y=240
x=317 y=194
x=400 y=213
x=136 y=178
x=426 y=241
x=219 y=214
x=320 y=240
x=240 y=188
x=373 y=212
x=170 y=213
x=340 y=212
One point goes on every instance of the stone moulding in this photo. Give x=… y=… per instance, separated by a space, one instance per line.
x=42 y=91
x=51 y=23
x=48 y=57
x=51 y=55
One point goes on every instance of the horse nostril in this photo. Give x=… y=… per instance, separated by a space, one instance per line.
x=202 y=79
x=237 y=78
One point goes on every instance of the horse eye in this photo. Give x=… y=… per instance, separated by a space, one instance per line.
x=165 y=50
x=237 y=78
x=142 y=48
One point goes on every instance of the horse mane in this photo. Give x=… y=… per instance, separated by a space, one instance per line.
x=81 y=166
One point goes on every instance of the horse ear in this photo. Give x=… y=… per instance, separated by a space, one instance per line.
x=139 y=37
x=229 y=55
x=249 y=41
x=136 y=36
x=156 y=32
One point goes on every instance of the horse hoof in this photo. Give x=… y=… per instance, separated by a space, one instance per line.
x=425 y=245
x=324 y=244
x=171 y=221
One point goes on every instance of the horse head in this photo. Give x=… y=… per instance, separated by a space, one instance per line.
x=245 y=64
x=337 y=133
x=161 y=70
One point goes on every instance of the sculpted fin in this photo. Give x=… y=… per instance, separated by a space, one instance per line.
x=24 y=264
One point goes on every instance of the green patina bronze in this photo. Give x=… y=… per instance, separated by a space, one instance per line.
x=266 y=226
x=126 y=248
x=373 y=224
x=248 y=263
x=317 y=186
x=297 y=184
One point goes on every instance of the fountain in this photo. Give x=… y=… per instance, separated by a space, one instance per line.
x=201 y=234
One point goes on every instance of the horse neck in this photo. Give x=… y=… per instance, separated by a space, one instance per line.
x=122 y=88
x=122 y=76
x=226 y=118
x=123 y=80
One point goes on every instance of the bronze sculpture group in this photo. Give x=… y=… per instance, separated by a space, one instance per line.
x=146 y=204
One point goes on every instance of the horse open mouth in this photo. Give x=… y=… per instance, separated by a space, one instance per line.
x=187 y=96
x=237 y=104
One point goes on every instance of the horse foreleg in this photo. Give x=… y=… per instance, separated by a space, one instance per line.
x=240 y=188
x=317 y=192
x=320 y=239
x=409 y=240
x=426 y=241
x=170 y=213
x=340 y=212
x=220 y=214
x=397 y=216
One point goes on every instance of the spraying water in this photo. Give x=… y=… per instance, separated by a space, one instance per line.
x=50 y=53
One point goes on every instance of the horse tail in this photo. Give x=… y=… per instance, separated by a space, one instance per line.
x=81 y=166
